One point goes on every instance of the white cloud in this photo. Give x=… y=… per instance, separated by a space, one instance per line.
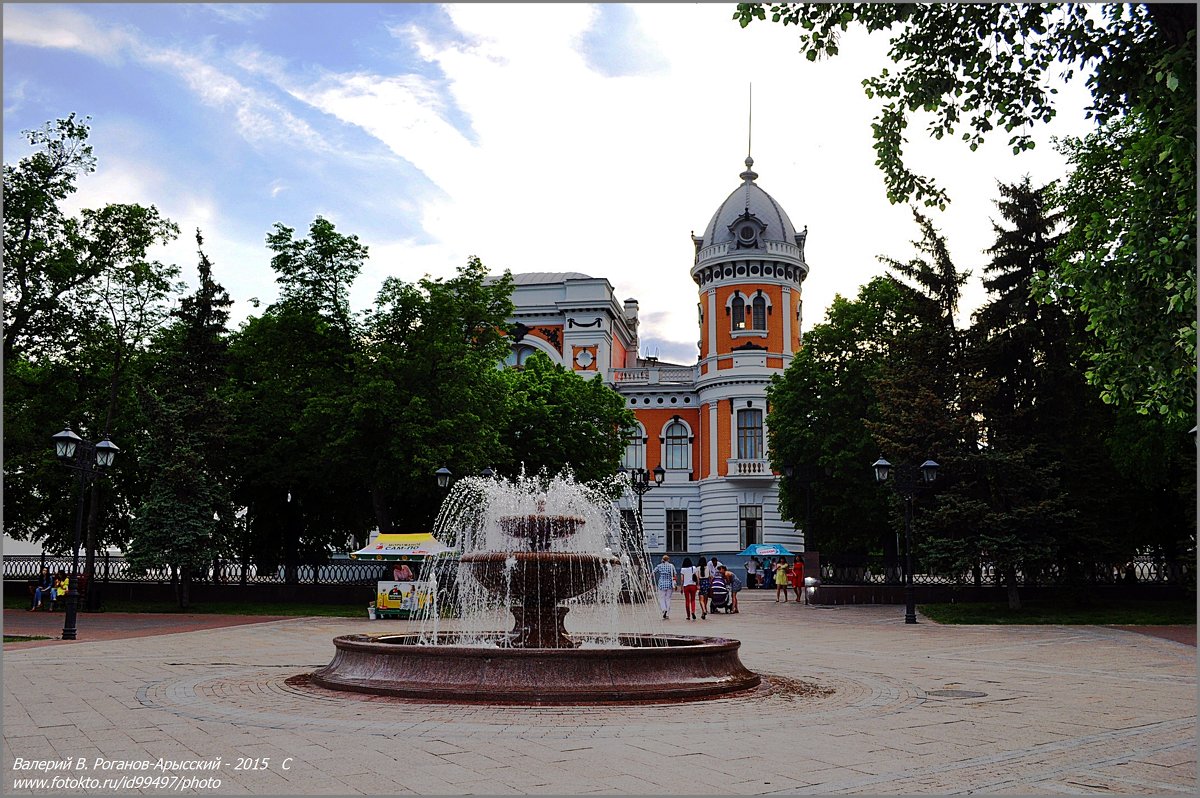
x=541 y=163
x=237 y=12
x=63 y=29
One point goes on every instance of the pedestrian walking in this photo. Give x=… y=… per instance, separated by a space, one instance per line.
x=664 y=574
x=705 y=585
x=689 y=583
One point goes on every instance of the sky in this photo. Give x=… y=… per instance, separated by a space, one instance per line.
x=547 y=137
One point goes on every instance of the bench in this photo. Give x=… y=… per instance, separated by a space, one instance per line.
x=60 y=602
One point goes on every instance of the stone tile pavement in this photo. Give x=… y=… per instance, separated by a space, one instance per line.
x=854 y=703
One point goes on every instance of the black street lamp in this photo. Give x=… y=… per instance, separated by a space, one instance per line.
x=444 y=475
x=641 y=483
x=908 y=479
x=90 y=460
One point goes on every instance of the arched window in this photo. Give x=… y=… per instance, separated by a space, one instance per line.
x=518 y=355
x=678 y=448
x=635 y=449
x=738 y=311
x=759 y=308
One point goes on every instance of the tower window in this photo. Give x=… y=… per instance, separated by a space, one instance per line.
x=759 y=307
x=738 y=311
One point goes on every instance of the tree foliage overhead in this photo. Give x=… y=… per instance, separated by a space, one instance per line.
x=985 y=66
x=49 y=257
x=1128 y=260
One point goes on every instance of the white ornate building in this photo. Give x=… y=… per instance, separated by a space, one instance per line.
x=703 y=423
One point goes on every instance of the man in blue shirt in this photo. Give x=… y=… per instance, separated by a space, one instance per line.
x=664 y=577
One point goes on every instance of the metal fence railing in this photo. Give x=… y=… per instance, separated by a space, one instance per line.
x=884 y=571
x=834 y=571
x=115 y=568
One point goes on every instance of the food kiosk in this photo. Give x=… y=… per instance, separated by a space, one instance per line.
x=402 y=598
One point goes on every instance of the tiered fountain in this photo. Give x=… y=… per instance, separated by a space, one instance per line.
x=522 y=558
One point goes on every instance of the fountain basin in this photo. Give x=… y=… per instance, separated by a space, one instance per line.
x=538 y=577
x=642 y=668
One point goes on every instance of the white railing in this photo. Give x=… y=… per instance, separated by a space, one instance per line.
x=749 y=468
x=653 y=376
x=777 y=248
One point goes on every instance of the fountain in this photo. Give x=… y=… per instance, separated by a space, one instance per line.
x=534 y=548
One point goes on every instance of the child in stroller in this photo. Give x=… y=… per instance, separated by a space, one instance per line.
x=718 y=594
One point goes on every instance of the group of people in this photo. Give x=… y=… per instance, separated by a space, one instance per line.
x=712 y=588
x=706 y=585
x=778 y=573
x=47 y=590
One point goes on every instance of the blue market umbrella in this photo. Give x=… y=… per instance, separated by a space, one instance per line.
x=766 y=550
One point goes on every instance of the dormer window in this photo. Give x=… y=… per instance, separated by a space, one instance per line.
x=747 y=235
x=747 y=231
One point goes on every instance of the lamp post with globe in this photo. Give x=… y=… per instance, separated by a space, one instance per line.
x=89 y=460
x=908 y=479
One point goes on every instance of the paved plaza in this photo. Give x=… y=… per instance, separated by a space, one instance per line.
x=854 y=701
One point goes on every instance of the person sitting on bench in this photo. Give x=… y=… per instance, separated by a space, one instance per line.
x=40 y=587
x=56 y=591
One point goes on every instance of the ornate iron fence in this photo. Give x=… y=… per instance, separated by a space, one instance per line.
x=114 y=568
x=885 y=571
x=839 y=571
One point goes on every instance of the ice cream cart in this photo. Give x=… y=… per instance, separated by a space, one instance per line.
x=403 y=555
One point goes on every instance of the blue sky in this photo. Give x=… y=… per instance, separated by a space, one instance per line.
x=551 y=137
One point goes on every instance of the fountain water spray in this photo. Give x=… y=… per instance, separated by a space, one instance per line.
x=532 y=550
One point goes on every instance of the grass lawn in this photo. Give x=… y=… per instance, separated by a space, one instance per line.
x=1116 y=613
x=22 y=638
x=219 y=607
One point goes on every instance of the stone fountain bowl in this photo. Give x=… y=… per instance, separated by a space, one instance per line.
x=539 y=529
x=541 y=577
x=641 y=669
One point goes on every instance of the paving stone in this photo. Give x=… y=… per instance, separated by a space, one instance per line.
x=1067 y=710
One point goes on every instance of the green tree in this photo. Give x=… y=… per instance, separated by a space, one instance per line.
x=1128 y=260
x=80 y=302
x=50 y=258
x=427 y=391
x=818 y=416
x=317 y=272
x=557 y=419
x=284 y=365
x=186 y=515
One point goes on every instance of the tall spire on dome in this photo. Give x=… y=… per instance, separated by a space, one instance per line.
x=749 y=175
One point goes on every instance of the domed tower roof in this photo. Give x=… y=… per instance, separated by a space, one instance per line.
x=749 y=199
x=750 y=224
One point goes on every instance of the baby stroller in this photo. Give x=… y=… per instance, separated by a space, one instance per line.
x=718 y=595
